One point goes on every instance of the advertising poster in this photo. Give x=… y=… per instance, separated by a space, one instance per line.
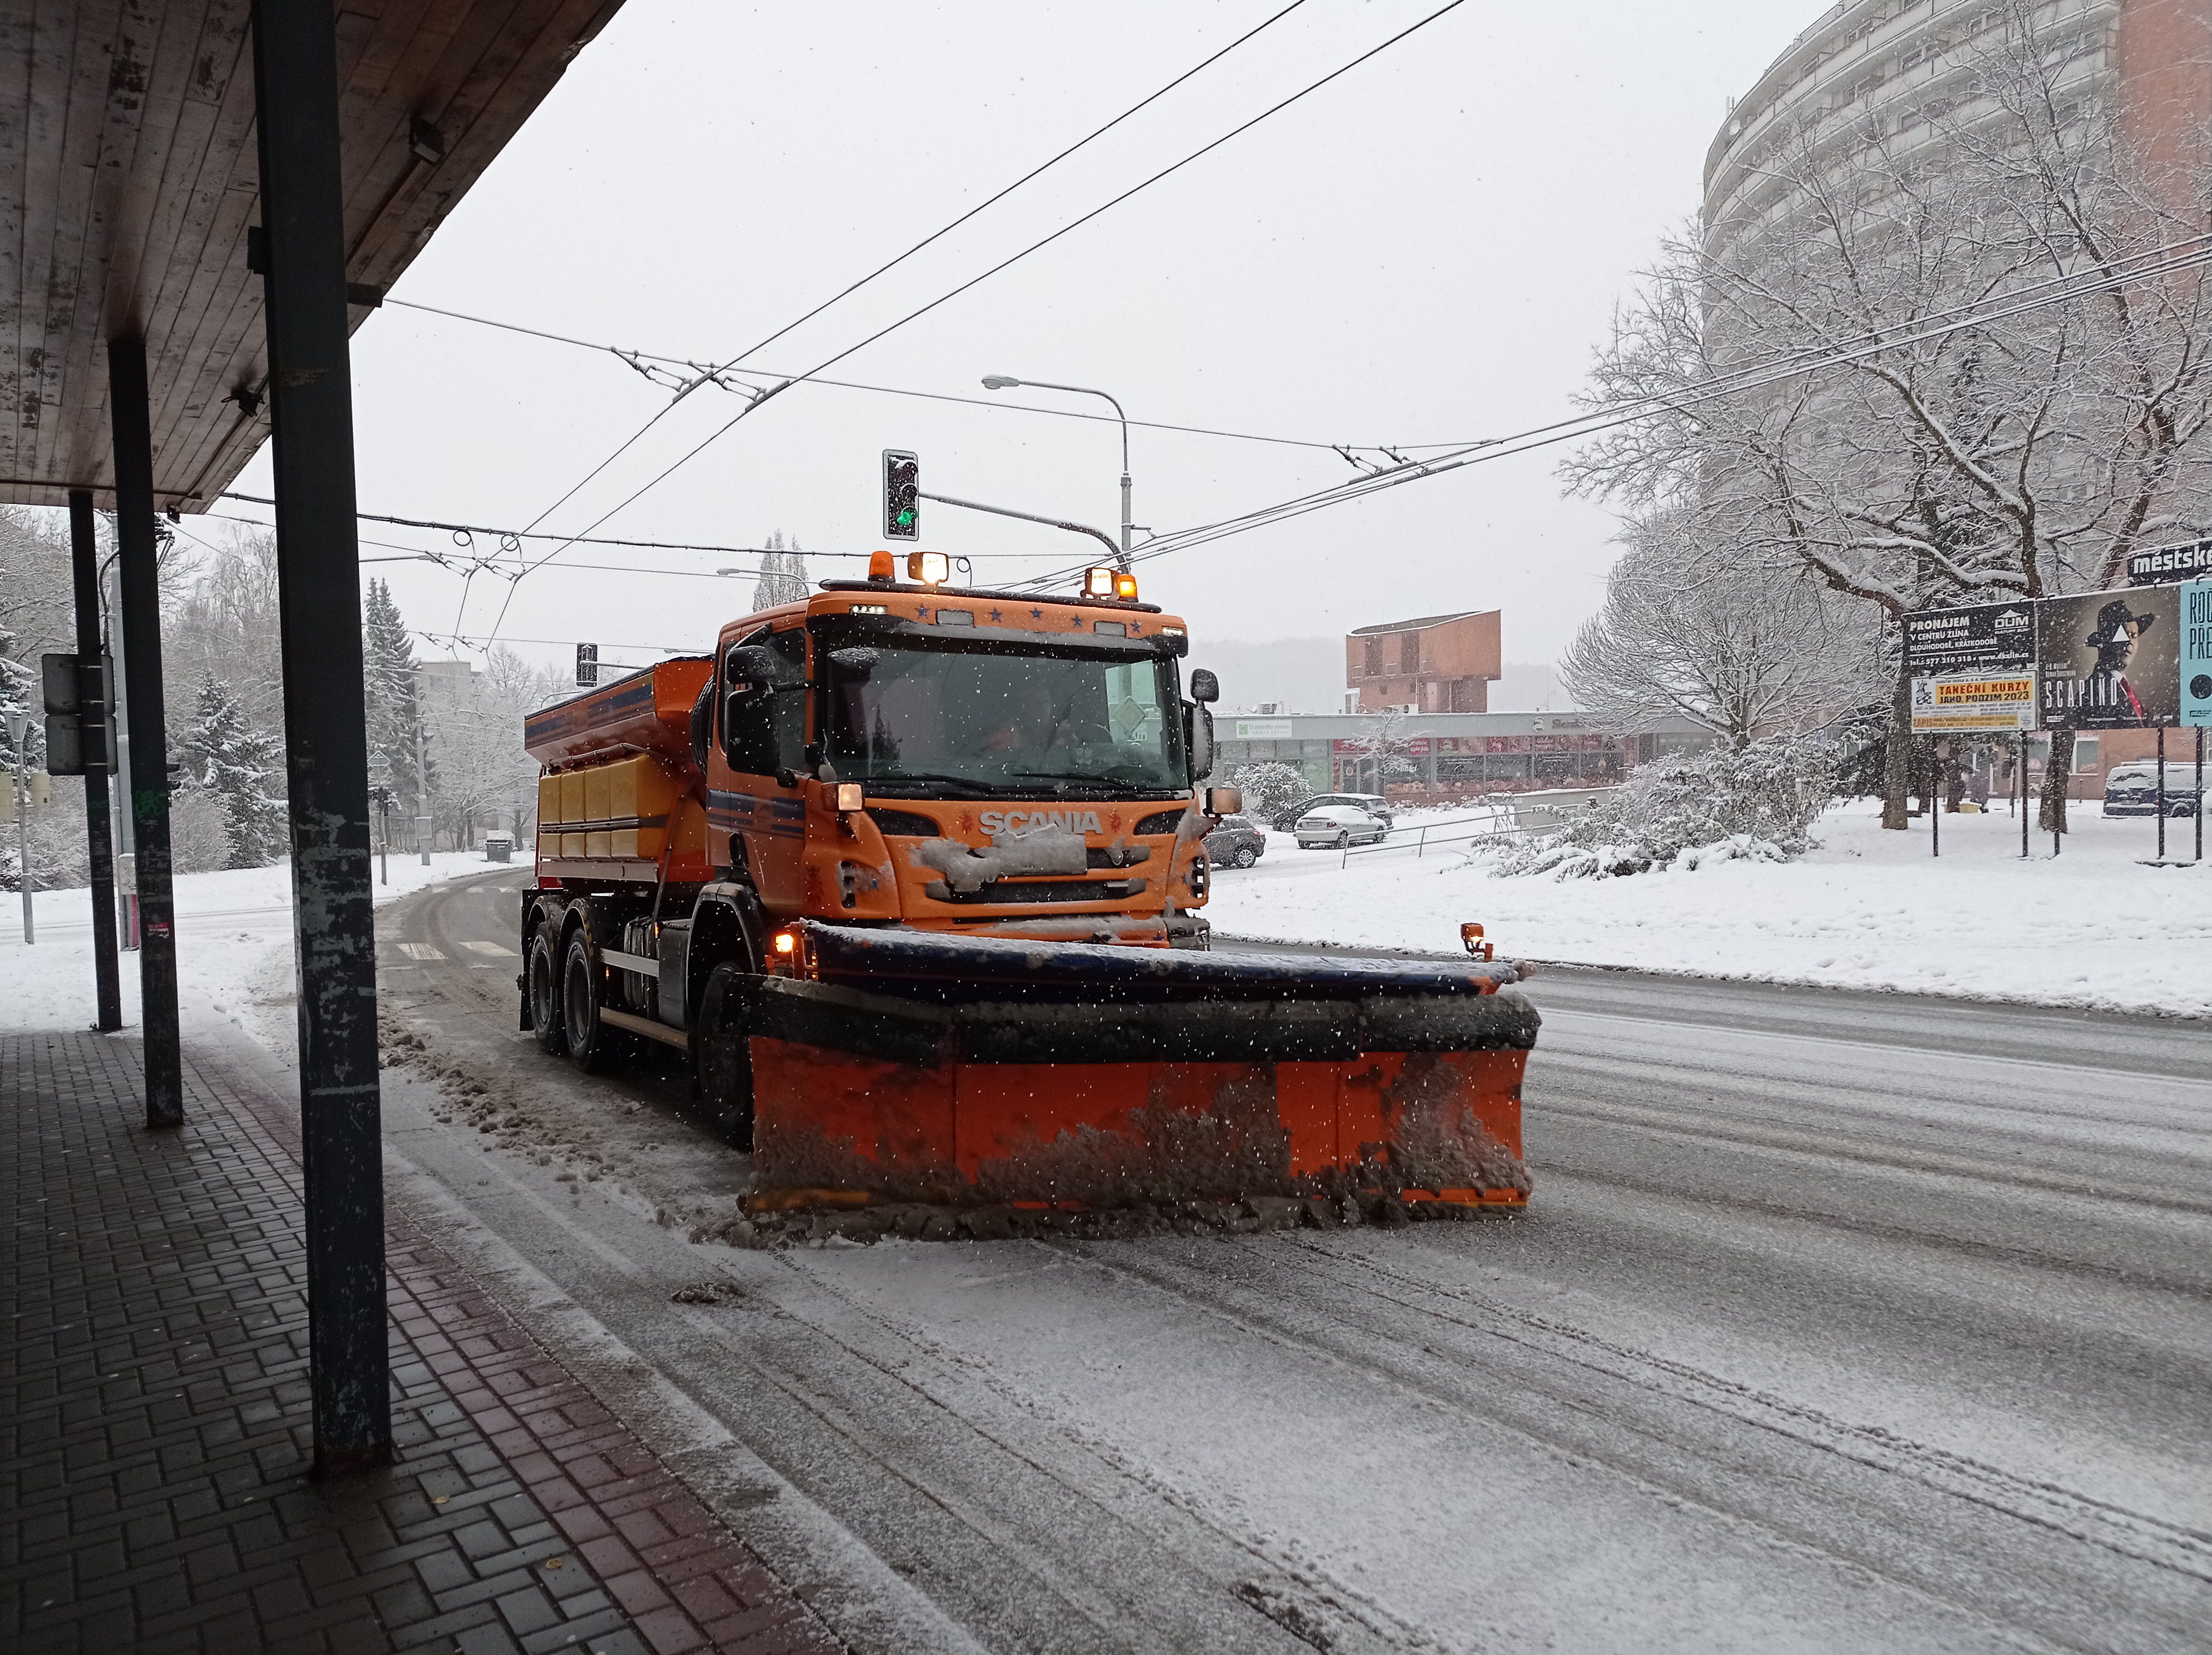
x=1972 y=668
x=2197 y=655
x=2191 y=560
x=2111 y=661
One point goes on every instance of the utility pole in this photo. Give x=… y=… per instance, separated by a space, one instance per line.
x=421 y=779
x=18 y=723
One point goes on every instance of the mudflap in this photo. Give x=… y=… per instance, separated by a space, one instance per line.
x=1036 y=1084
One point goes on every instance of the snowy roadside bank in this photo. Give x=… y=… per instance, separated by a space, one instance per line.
x=2091 y=928
x=233 y=949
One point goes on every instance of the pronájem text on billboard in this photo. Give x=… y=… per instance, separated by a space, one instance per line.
x=2110 y=661
x=1972 y=668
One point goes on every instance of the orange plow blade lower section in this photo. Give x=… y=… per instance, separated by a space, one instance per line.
x=1079 y=1078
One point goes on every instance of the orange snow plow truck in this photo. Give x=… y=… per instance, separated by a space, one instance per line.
x=911 y=872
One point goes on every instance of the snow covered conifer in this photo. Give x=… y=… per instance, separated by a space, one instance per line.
x=388 y=678
x=237 y=764
x=783 y=574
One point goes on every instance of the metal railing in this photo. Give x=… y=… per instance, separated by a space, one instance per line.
x=1501 y=819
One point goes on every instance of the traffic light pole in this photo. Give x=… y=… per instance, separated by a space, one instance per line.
x=84 y=565
x=18 y=738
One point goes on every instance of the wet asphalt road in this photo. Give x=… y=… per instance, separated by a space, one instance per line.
x=1839 y=1321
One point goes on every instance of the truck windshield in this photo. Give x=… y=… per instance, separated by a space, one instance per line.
x=957 y=720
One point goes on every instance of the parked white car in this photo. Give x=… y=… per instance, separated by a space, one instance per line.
x=1335 y=825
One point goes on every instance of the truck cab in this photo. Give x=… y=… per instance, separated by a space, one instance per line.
x=959 y=760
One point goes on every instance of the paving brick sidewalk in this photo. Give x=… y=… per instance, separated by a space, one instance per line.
x=154 y=1438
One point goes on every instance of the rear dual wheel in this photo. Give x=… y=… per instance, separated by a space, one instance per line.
x=542 y=974
x=592 y=1043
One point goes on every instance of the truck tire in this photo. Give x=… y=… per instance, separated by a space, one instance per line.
x=542 y=974
x=592 y=1044
x=723 y=1054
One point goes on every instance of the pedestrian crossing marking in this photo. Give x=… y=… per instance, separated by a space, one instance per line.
x=483 y=948
x=420 y=950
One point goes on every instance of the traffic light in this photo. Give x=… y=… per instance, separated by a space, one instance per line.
x=902 y=494
x=79 y=740
x=587 y=665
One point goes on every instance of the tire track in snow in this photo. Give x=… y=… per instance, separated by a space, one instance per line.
x=1562 y=1387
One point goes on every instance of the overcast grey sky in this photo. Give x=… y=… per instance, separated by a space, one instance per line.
x=1426 y=251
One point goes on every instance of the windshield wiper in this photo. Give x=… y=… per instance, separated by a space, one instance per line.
x=977 y=788
x=1108 y=786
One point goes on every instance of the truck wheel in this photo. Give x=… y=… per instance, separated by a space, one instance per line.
x=592 y=1045
x=544 y=978
x=723 y=1054
x=1244 y=857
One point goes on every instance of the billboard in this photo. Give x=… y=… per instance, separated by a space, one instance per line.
x=2196 y=673
x=1972 y=667
x=2189 y=561
x=2110 y=661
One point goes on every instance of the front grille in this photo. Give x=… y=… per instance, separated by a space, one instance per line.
x=1015 y=893
x=1160 y=821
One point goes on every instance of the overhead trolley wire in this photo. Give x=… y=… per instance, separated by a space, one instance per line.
x=712 y=375
x=1784 y=365
x=1165 y=172
x=995 y=404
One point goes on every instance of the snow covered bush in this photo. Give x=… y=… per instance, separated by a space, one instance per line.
x=1269 y=787
x=1756 y=803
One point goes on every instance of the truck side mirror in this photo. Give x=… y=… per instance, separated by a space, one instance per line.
x=1200 y=725
x=1204 y=686
x=749 y=662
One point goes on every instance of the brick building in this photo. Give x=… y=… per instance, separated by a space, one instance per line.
x=1436 y=664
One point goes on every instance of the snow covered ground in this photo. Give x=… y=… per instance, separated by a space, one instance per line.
x=233 y=949
x=2092 y=927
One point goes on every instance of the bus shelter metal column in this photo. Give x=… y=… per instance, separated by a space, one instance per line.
x=326 y=741
x=84 y=565
x=138 y=585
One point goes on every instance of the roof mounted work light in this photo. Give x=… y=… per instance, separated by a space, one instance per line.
x=930 y=567
x=1105 y=581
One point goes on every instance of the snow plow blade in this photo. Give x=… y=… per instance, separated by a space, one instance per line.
x=921 y=1069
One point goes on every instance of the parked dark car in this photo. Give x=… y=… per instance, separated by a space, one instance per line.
x=1374 y=803
x=2132 y=788
x=1238 y=842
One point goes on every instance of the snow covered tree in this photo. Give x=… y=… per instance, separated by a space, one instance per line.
x=484 y=777
x=1270 y=785
x=390 y=691
x=238 y=764
x=1928 y=464
x=783 y=574
x=1691 y=630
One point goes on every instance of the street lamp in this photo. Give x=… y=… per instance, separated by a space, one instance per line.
x=1007 y=382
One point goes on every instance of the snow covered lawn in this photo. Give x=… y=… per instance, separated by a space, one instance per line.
x=1867 y=909
x=234 y=947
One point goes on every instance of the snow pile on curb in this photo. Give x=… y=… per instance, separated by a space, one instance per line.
x=1862 y=908
x=230 y=927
